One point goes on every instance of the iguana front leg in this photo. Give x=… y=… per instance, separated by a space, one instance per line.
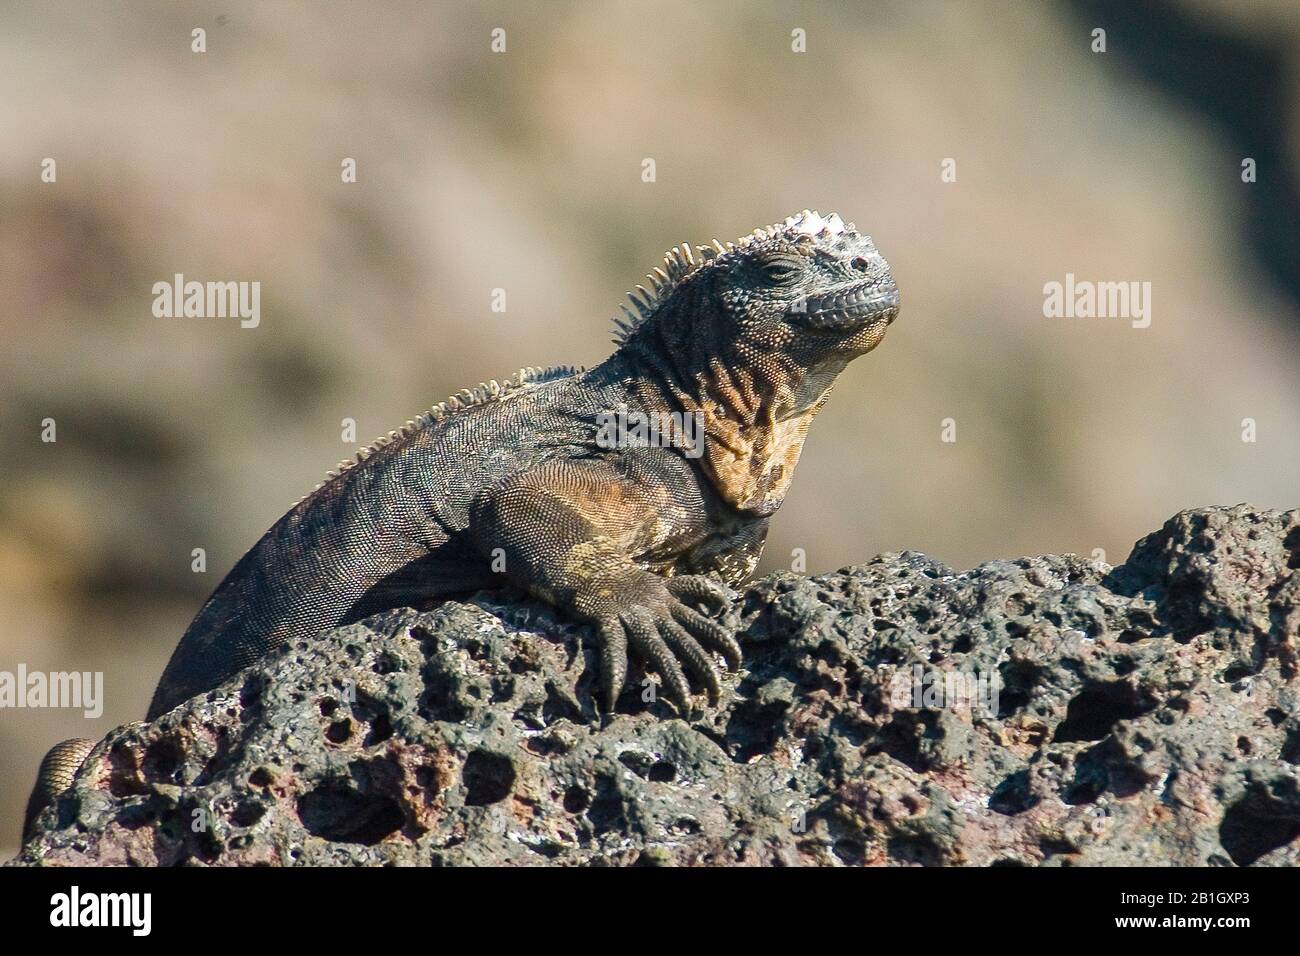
x=570 y=532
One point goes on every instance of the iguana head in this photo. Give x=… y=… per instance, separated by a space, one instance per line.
x=753 y=333
x=811 y=285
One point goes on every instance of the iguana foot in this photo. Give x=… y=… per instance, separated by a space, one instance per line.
x=654 y=621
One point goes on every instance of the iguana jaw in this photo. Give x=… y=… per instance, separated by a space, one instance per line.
x=849 y=308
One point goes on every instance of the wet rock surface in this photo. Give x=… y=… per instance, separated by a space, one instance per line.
x=1145 y=714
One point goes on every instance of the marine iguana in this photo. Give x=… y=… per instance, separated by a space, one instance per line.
x=746 y=337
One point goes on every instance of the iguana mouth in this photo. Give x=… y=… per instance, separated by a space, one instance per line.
x=848 y=309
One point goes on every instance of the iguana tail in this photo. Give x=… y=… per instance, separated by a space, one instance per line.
x=57 y=771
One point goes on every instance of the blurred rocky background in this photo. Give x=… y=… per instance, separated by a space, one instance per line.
x=522 y=171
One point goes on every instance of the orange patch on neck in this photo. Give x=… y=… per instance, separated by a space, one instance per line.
x=751 y=466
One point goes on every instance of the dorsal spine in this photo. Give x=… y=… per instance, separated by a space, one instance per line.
x=482 y=394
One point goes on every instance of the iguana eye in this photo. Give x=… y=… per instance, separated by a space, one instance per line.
x=781 y=271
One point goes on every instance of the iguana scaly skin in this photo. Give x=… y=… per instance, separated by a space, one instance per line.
x=748 y=337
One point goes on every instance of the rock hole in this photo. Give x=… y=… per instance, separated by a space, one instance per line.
x=1019 y=679
x=247 y=813
x=1248 y=831
x=576 y=799
x=1292 y=543
x=336 y=811
x=606 y=810
x=1055 y=846
x=381 y=728
x=852 y=852
x=162 y=759
x=261 y=777
x=488 y=778
x=339 y=731
x=557 y=706
x=1084 y=790
x=1291 y=748
x=754 y=728
x=547 y=745
x=429 y=780
x=1102 y=767
x=1092 y=712
x=1235 y=672
x=1012 y=795
x=915 y=849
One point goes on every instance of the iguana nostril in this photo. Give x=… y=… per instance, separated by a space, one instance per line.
x=859 y=263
